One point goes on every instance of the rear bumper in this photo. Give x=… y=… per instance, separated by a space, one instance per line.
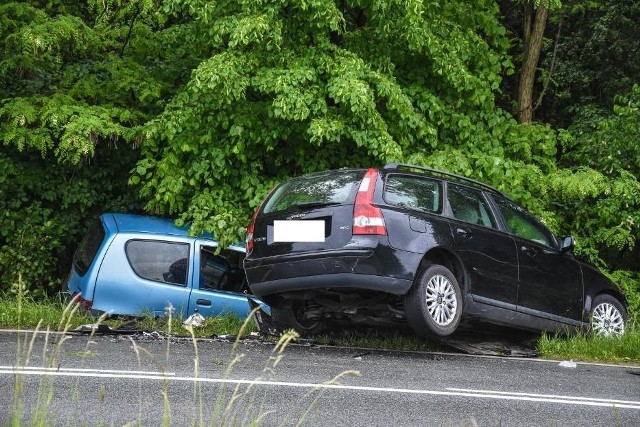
x=338 y=280
x=378 y=269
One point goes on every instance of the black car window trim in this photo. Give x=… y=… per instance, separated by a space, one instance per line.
x=441 y=184
x=493 y=199
x=189 y=257
x=490 y=209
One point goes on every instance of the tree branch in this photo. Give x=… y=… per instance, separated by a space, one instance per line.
x=551 y=67
x=133 y=21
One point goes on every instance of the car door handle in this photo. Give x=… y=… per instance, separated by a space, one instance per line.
x=528 y=250
x=464 y=232
x=204 y=302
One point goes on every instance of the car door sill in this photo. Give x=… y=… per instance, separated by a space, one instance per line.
x=475 y=309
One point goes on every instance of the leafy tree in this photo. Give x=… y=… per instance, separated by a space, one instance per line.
x=295 y=86
x=77 y=80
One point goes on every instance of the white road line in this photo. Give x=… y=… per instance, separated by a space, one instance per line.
x=510 y=393
x=106 y=371
x=487 y=394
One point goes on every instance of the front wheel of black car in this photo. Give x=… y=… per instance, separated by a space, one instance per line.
x=433 y=306
x=608 y=317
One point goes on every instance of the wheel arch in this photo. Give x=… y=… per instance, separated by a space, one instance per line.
x=449 y=260
x=614 y=293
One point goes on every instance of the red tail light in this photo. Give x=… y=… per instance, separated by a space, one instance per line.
x=82 y=302
x=251 y=227
x=367 y=217
x=249 y=236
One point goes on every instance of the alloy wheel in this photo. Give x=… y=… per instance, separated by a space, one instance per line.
x=441 y=300
x=607 y=320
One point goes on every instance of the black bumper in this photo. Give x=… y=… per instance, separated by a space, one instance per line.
x=380 y=269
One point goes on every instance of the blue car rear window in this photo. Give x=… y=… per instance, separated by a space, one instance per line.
x=159 y=261
x=88 y=248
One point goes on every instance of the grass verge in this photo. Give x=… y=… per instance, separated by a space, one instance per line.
x=377 y=338
x=586 y=347
x=27 y=313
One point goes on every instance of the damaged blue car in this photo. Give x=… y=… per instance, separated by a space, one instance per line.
x=133 y=265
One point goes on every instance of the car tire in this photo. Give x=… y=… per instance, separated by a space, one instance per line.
x=608 y=316
x=288 y=316
x=433 y=305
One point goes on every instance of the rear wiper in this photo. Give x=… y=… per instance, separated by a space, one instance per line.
x=314 y=204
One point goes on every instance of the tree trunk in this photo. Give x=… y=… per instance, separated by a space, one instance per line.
x=535 y=21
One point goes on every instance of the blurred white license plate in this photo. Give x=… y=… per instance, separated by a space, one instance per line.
x=298 y=231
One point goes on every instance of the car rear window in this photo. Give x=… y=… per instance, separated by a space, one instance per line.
x=414 y=192
x=160 y=261
x=88 y=248
x=326 y=188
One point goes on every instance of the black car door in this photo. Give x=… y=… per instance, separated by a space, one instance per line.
x=550 y=282
x=489 y=255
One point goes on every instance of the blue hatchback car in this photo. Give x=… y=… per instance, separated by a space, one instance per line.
x=132 y=265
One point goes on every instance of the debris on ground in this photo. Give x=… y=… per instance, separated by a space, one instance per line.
x=101 y=328
x=568 y=364
x=492 y=341
x=196 y=320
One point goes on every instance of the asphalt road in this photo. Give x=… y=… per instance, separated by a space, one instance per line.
x=108 y=380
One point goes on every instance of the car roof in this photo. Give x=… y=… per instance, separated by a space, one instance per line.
x=131 y=223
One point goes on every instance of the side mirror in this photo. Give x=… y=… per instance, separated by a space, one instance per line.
x=567 y=244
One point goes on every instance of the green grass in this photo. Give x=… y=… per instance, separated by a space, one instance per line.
x=226 y=324
x=586 y=347
x=377 y=338
x=28 y=313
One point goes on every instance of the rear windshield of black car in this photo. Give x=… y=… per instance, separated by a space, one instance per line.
x=88 y=248
x=317 y=190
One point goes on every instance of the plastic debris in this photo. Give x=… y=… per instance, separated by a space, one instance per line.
x=568 y=364
x=98 y=328
x=196 y=320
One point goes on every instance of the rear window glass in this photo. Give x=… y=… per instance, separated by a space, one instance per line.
x=160 y=261
x=413 y=192
x=326 y=188
x=88 y=248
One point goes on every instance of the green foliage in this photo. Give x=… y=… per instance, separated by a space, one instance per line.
x=597 y=57
x=294 y=87
x=77 y=81
x=599 y=193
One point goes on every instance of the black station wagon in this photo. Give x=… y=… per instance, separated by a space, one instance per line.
x=408 y=244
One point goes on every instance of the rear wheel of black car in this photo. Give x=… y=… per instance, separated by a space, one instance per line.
x=433 y=306
x=290 y=315
x=608 y=317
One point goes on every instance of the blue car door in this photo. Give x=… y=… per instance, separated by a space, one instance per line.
x=145 y=275
x=218 y=282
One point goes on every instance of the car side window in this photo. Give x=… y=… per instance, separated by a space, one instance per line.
x=160 y=261
x=413 y=192
x=469 y=205
x=523 y=225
